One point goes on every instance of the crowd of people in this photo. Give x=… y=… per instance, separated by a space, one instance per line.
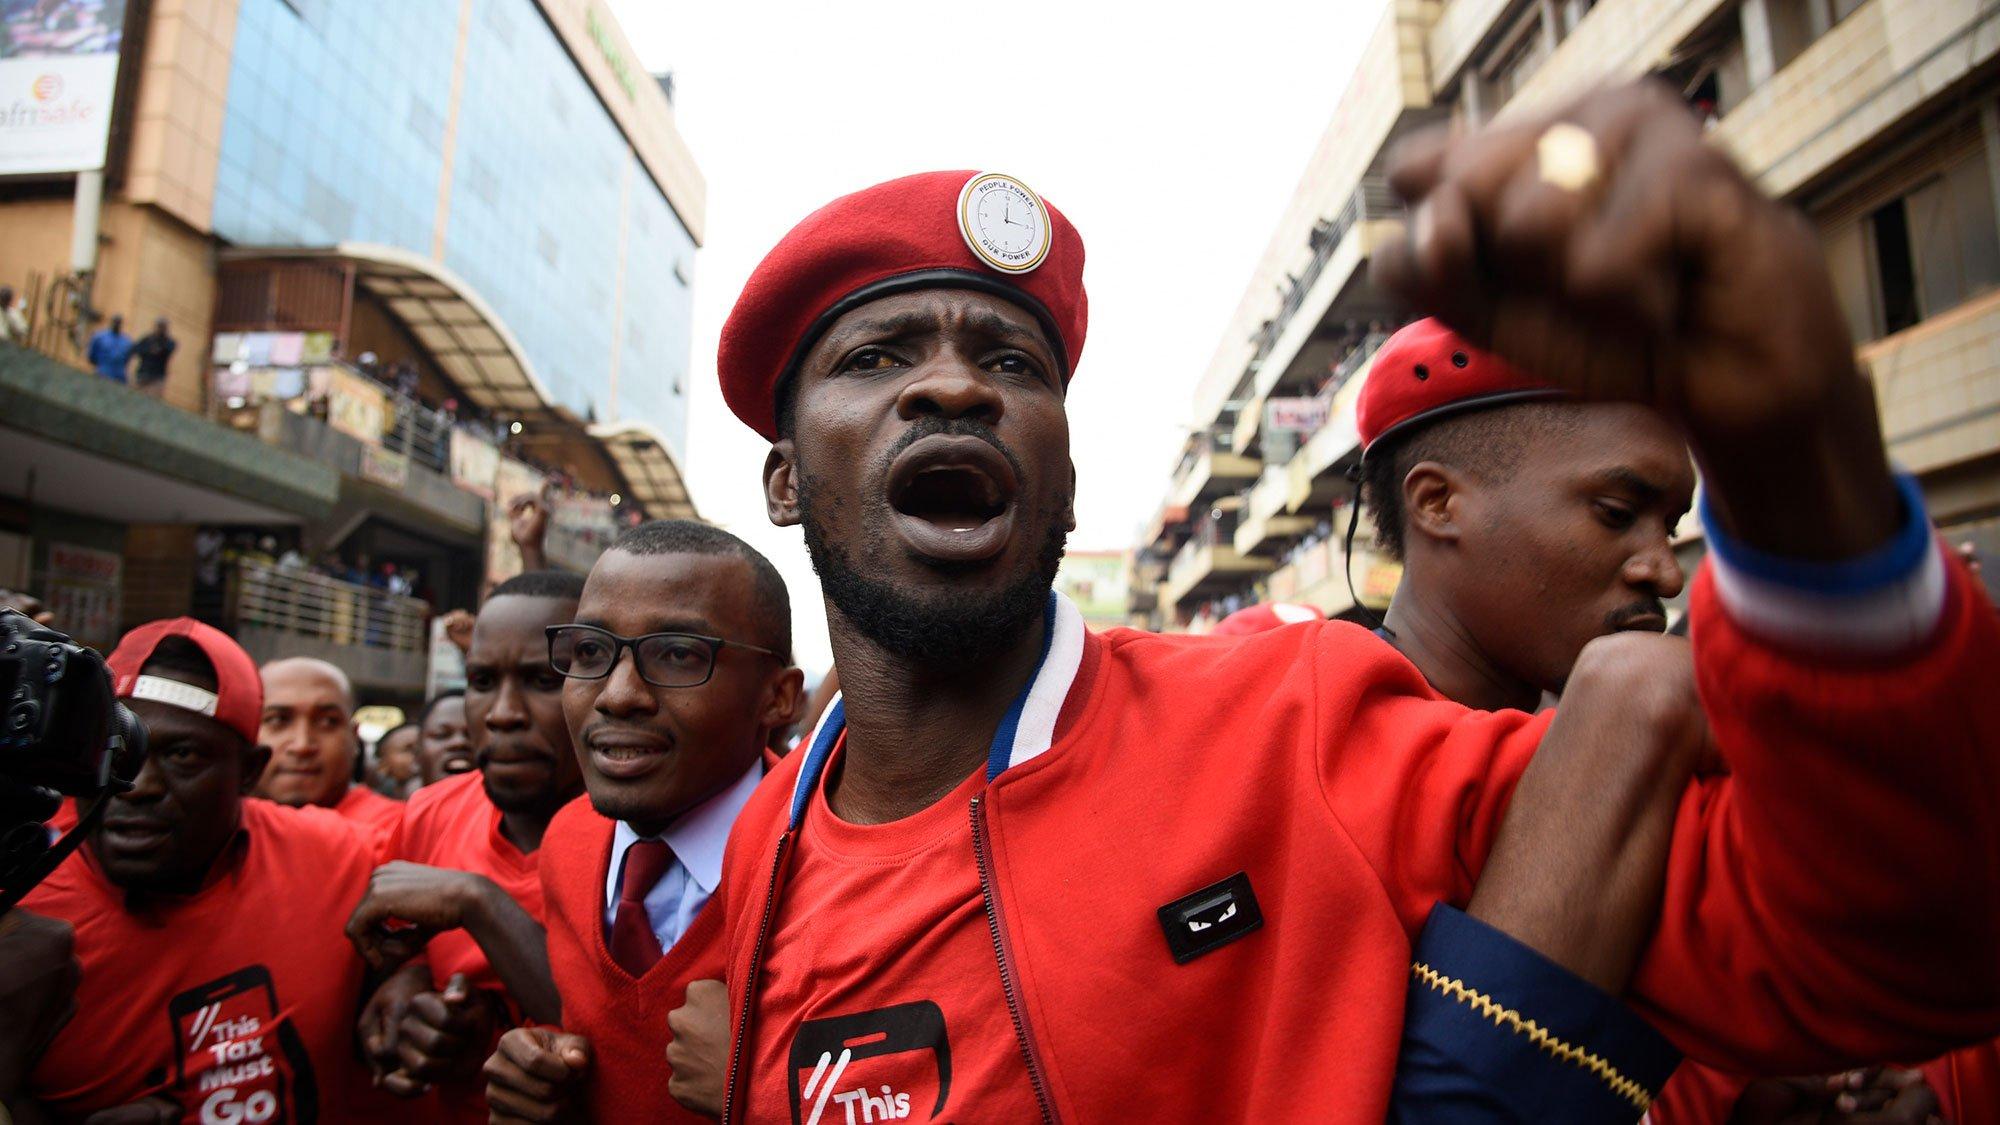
x=1018 y=870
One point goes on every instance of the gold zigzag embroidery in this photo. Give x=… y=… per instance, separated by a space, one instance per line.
x=1540 y=1036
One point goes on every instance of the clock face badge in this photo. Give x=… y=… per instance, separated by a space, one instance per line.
x=1004 y=222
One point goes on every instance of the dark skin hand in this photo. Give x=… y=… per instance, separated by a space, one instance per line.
x=1875 y=1096
x=38 y=977
x=458 y=628
x=1578 y=868
x=148 y=1111
x=536 y=1075
x=445 y=1034
x=699 y=1049
x=429 y=900
x=528 y=527
x=1668 y=279
x=380 y=1022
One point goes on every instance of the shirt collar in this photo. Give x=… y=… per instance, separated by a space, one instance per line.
x=698 y=836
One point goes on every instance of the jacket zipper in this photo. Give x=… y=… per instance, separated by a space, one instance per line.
x=994 y=926
x=750 y=980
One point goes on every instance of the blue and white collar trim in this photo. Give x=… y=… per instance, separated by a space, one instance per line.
x=1026 y=730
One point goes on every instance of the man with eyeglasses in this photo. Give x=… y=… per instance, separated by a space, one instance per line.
x=467 y=852
x=679 y=667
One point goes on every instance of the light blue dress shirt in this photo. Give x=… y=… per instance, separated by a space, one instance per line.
x=697 y=839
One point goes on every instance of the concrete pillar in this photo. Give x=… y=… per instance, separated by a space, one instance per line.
x=1989 y=129
x=1551 y=26
x=1472 y=95
x=1760 y=55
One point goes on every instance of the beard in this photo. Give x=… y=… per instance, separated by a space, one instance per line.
x=945 y=628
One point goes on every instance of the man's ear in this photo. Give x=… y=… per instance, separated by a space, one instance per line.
x=781 y=483
x=256 y=757
x=1432 y=495
x=784 y=700
x=1069 y=502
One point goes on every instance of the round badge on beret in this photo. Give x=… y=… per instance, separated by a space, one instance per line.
x=1003 y=222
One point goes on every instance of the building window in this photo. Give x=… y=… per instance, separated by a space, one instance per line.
x=1795 y=24
x=1515 y=59
x=1931 y=244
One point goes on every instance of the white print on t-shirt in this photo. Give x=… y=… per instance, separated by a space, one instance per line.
x=886 y=1106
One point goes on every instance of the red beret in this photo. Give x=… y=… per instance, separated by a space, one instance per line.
x=1264 y=617
x=238 y=700
x=891 y=238
x=1427 y=371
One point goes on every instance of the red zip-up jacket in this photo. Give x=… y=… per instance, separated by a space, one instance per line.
x=1833 y=900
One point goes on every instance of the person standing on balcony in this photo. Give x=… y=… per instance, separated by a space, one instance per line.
x=13 y=324
x=111 y=350
x=152 y=352
x=308 y=722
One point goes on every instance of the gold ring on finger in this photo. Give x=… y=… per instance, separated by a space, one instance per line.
x=1566 y=156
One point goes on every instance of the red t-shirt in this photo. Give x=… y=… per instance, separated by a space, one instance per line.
x=376 y=814
x=453 y=824
x=880 y=995
x=238 y=1000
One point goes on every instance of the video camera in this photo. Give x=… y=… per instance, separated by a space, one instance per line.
x=62 y=734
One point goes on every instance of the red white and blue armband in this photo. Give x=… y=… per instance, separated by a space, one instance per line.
x=1888 y=600
x=1495 y=1032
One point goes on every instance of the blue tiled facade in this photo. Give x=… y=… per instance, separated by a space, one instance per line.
x=335 y=131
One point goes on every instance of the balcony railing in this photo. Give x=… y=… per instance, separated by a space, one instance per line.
x=304 y=604
x=1372 y=199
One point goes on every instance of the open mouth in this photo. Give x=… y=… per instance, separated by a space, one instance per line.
x=953 y=497
x=455 y=764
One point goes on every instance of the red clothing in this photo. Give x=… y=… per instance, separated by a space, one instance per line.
x=377 y=815
x=238 y=999
x=913 y=960
x=625 y=1018
x=452 y=823
x=1967 y=1082
x=1828 y=901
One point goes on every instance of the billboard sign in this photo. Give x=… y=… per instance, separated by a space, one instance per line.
x=58 y=72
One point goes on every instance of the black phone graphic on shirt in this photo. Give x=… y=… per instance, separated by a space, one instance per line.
x=879 y=1066
x=237 y=1060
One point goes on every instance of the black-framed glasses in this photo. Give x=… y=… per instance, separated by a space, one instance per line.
x=673 y=660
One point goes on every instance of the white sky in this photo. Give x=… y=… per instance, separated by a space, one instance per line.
x=1172 y=138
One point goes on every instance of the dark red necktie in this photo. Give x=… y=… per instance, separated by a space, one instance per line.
x=634 y=945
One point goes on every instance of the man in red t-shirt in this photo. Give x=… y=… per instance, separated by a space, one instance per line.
x=1183 y=873
x=680 y=667
x=308 y=723
x=215 y=984
x=466 y=854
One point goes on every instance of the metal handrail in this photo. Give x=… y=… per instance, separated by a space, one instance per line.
x=311 y=604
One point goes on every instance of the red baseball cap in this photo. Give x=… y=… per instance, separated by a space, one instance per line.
x=1264 y=617
x=1426 y=371
x=238 y=699
x=935 y=230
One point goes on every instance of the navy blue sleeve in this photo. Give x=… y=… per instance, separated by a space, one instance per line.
x=1495 y=1032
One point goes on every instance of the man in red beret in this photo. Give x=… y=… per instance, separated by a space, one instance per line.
x=1028 y=871
x=216 y=983
x=1530 y=524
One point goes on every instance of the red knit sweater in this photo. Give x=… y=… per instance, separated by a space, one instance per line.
x=625 y=1018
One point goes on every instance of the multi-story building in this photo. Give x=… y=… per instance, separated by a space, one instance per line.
x=418 y=257
x=1877 y=118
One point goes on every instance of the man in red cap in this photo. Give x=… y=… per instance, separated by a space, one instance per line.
x=1529 y=524
x=216 y=985
x=1028 y=871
